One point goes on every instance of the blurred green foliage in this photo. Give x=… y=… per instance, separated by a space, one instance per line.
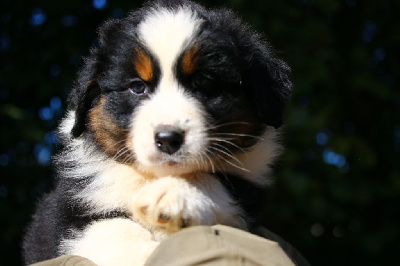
x=337 y=190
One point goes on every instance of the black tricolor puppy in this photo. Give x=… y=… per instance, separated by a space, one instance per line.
x=172 y=123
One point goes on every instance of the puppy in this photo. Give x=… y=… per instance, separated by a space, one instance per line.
x=173 y=122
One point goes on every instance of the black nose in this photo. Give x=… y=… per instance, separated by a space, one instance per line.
x=169 y=140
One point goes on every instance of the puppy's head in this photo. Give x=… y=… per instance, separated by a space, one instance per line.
x=174 y=89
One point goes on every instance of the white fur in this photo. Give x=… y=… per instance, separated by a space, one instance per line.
x=114 y=183
x=255 y=165
x=172 y=108
x=200 y=200
x=166 y=33
x=112 y=242
x=156 y=186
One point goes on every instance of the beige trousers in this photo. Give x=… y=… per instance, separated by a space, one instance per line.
x=211 y=246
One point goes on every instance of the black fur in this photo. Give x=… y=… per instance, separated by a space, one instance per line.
x=234 y=53
x=238 y=78
x=56 y=216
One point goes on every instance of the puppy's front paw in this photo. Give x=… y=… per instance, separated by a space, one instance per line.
x=171 y=204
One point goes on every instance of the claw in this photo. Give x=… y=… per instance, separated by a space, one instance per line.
x=185 y=223
x=163 y=218
x=143 y=209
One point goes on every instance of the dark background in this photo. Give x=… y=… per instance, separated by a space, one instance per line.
x=336 y=195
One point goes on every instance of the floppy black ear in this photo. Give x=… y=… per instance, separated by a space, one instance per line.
x=264 y=76
x=84 y=93
x=87 y=89
x=83 y=102
x=270 y=86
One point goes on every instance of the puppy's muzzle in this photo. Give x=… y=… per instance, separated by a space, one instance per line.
x=169 y=139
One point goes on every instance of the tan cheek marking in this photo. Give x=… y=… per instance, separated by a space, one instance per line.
x=143 y=65
x=190 y=60
x=106 y=132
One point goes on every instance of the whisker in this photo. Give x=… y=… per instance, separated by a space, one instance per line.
x=228 y=124
x=229 y=162
x=220 y=166
x=115 y=144
x=240 y=135
x=227 y=154
x=228 y=142
x=128 y=158
x=197 y=162
x=234 y=165
x=202 y=161
x=211 y=162
x=224 y=148
x=121 y=152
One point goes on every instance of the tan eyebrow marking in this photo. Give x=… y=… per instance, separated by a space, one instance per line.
x=143 y=65
x=190 y=60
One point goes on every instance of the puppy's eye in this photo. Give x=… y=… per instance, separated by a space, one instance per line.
x=201 y=81
x=138 y=87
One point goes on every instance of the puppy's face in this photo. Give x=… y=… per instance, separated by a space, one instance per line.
x=177 y=90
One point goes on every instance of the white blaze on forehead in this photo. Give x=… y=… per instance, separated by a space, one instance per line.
x=166 y=33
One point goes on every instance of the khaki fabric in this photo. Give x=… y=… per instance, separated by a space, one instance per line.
x=66 y=260
x=223 y=245
x=212 y=246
